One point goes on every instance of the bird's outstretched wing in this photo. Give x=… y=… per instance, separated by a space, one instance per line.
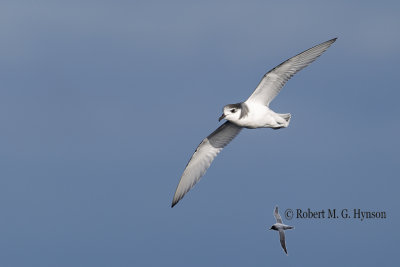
x=282 y=239
x=277 y=216
x=203 y=156
x=275 y=79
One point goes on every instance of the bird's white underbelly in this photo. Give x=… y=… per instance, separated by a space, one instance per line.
x=259 y=117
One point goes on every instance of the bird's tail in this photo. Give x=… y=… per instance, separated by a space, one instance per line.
x=285 y=123
x=286 y=117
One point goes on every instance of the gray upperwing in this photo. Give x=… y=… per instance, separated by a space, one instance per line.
x=275 y=79
x=277 y=216
x=282 y=239
x=203 y=157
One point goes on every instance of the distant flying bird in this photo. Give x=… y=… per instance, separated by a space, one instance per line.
x=280 y=227
x=253 y=113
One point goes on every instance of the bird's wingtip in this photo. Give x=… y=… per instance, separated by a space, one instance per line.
x=175 y=201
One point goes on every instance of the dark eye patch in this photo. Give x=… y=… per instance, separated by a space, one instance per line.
x=233 y=110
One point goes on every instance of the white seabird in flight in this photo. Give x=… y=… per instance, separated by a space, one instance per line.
x=253 y=113
x=280 y=227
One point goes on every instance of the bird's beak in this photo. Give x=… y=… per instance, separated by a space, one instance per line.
x=222 y=116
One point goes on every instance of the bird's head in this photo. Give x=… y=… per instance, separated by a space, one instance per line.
x=231 y=112
x=273 y=227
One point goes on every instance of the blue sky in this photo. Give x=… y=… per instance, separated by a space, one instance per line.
x=102 y=104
